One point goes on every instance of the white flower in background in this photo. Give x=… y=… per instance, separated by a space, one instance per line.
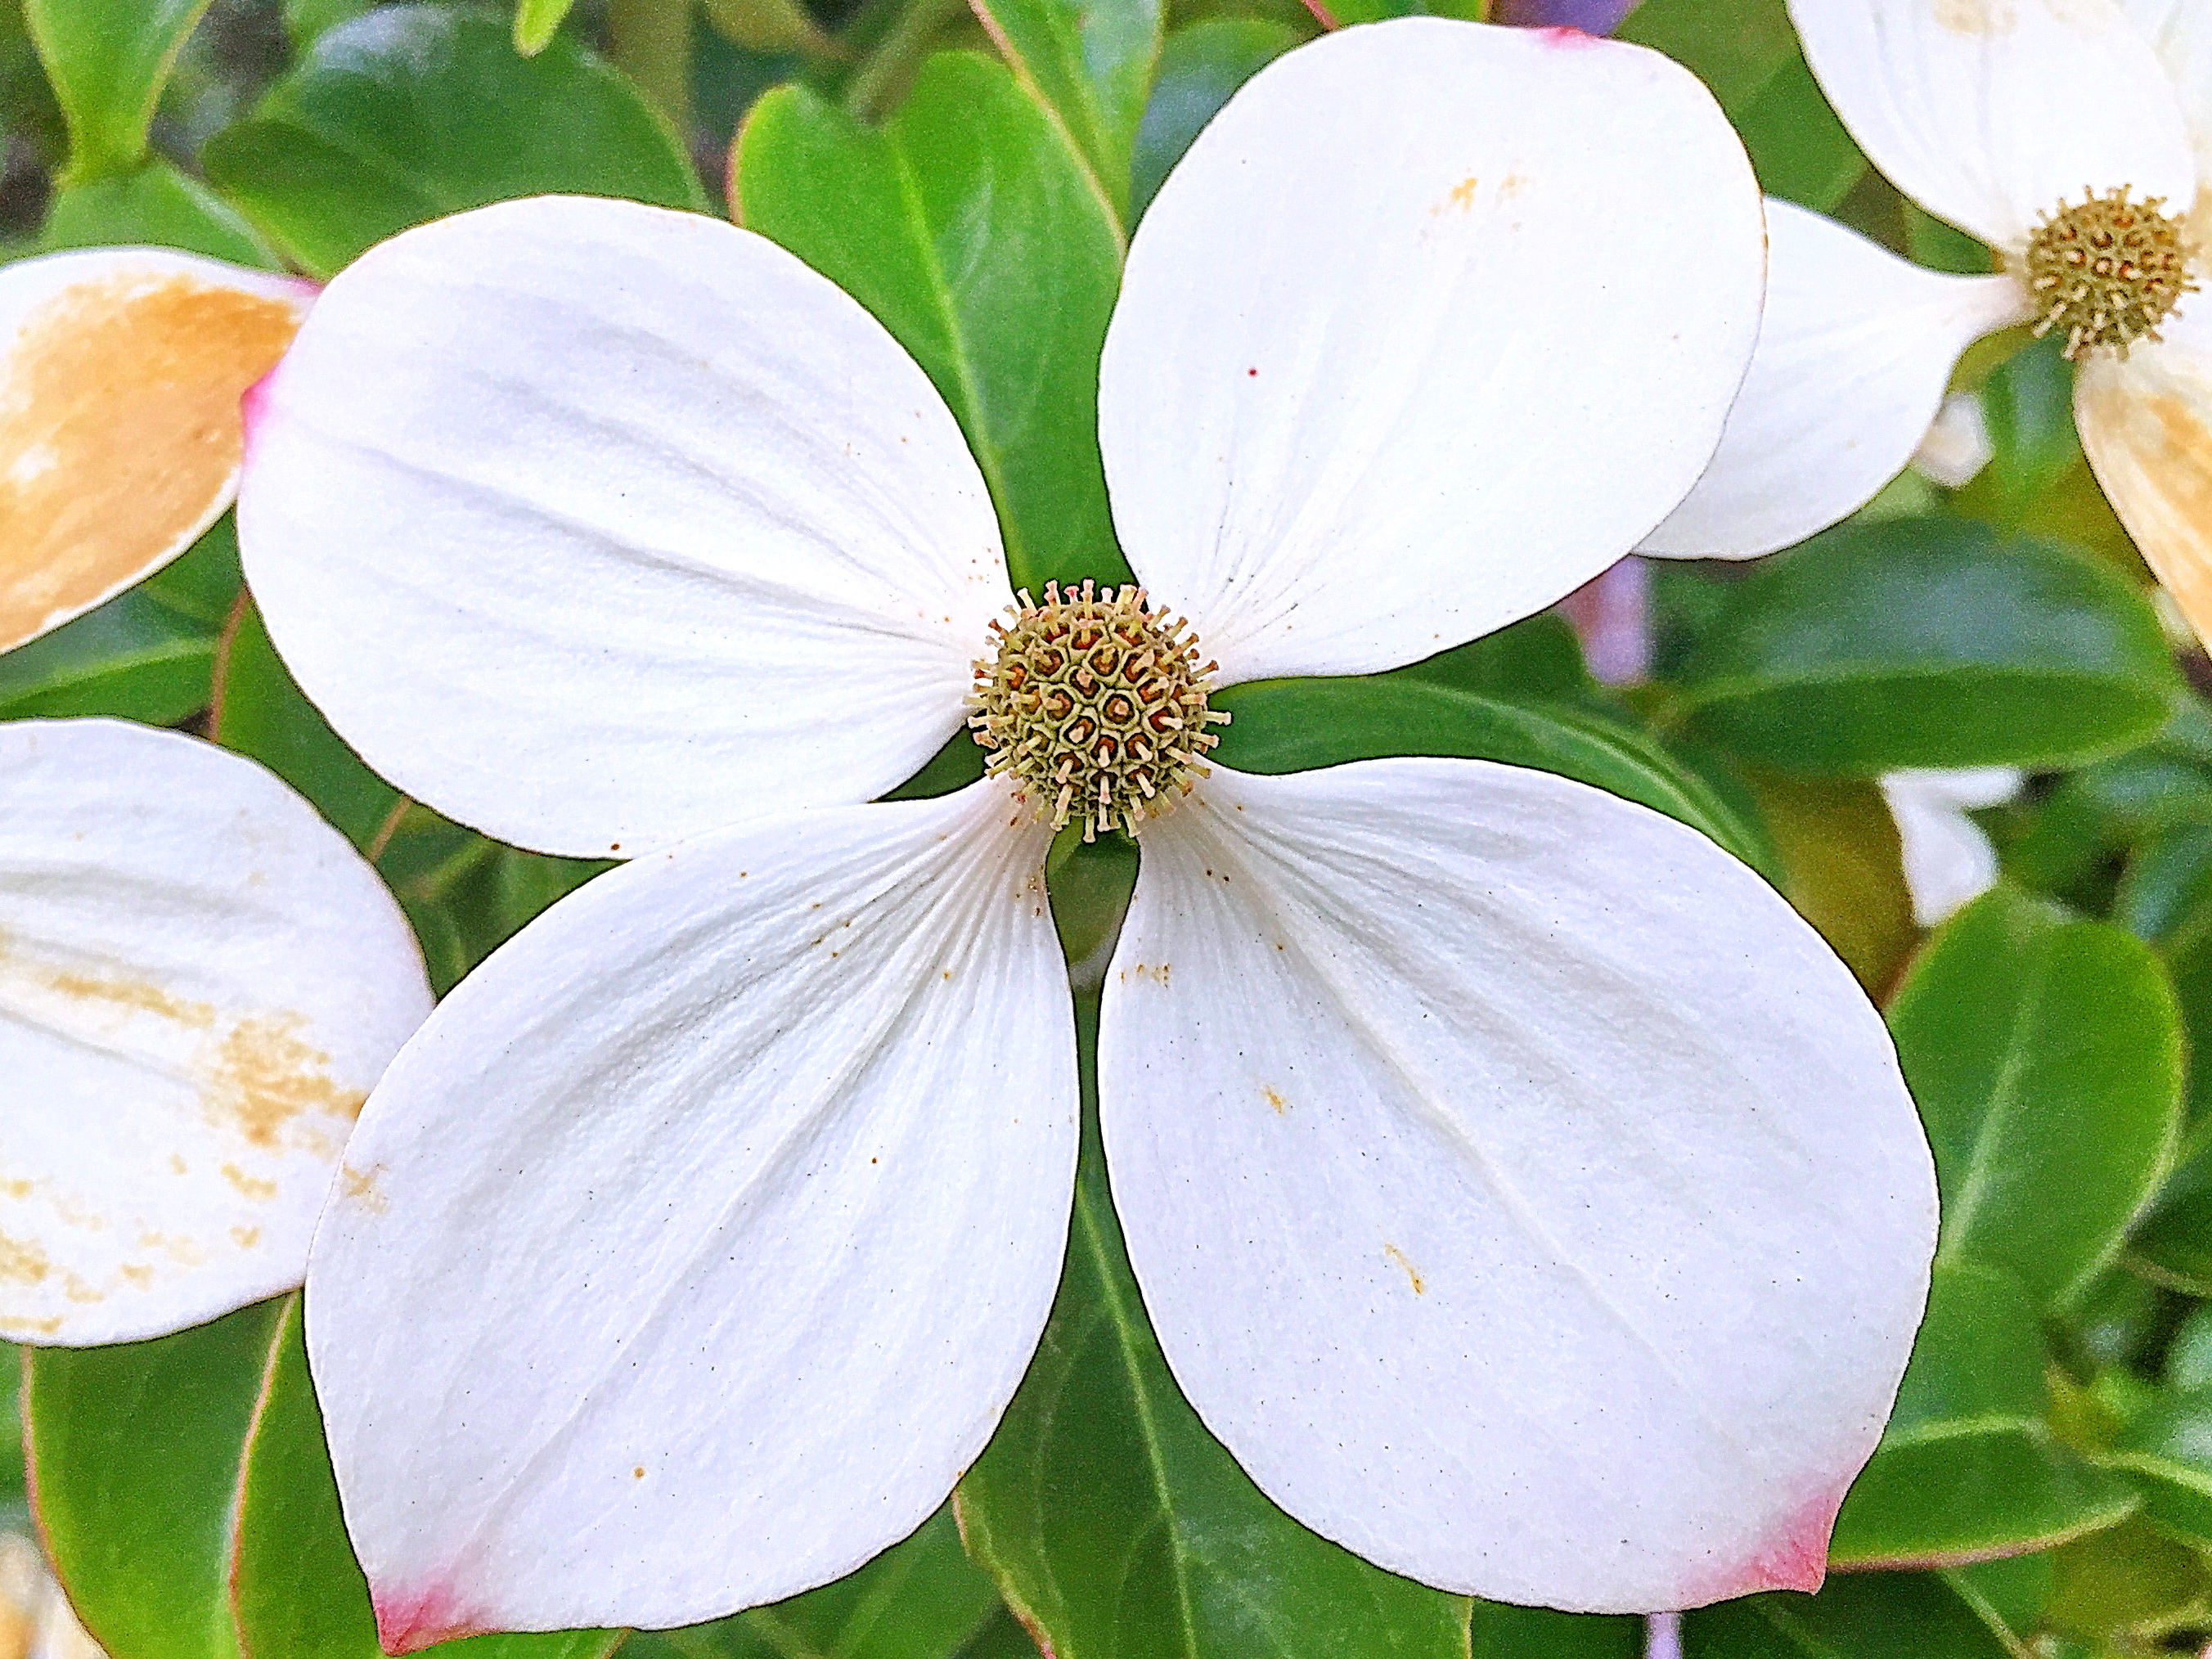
x=119 y=444
x=1957 y=445
x=199 y=983
x=1948 y=861
x=1458 y=1115
x=2069 y=136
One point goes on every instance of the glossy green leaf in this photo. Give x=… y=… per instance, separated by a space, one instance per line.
x=1090 y=62
x=107 y=60
x=1858 y=1615
x=411 y=111
x=1499 y=1631
x=2173 y=1244
x=1120 y=1529
x=12 y=1499
x=2131 y=1578
x=2046 y=1055
x=1538 y=659
x=765 y=26
x=921 y=1599
x=1293 y=725
x=1200 y=64
x=535 y=22
x=307 y=21
x=2010 y=1593
x=1968 y=1469
x=968 y=226
x=296 y=1589
x=1799 y=148
x=263 y=714
x=1735 y=50
x=1930 y=642
x=153 y=206
x=147 y=655
x=135 y=1453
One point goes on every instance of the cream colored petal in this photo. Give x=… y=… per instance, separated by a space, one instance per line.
x=2146 y=421
x=120 y=431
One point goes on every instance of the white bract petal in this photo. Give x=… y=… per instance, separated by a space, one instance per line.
x=1433 y=323
x=1854 y=351
x=1991 y=113
x=2180 y=33
x=1949 y=861
x=2146 y=422
x=1957 y=445
x=596 y=525
x=1526 y=1196
x=695 y=1246
x=119 y=429
x=200 y=981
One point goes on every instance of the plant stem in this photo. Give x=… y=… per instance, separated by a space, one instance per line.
x=1613 y=614
x=651 y=40
x=884 y=74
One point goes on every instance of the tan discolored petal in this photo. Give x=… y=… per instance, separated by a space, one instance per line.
x=2147 y=424
x=120 y=437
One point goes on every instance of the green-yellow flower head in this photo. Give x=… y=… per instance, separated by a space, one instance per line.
x=2108 y=271
x=1095 y=704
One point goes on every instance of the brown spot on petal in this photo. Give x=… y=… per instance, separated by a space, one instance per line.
x=1421 y=1285
x=23 y=1262
x=360 y=1186
x=265 y=1076
x=1273 y=1099
x=137 y=1274
x=137 y=995
x=120 y=435
x=252 y=1187
x=245 y=1237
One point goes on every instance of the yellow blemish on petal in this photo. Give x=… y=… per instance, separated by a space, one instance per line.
x=245 y=1237
x=1275 y=1099
x=138 y=995
x=2148 y=436
x=136 y=1273
x=1420 y=1287
x=1978 y=16
x=252 y=1187
x=360 y=1186
x=23 y=1262
x=78 y=1292
x=120 y=435
x=264 y=1075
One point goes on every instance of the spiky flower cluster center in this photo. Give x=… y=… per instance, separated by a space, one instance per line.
x=1095 y=704
x=2109 y=271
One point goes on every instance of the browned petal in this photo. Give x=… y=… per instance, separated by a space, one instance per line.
x=2147 y=425
x=121 y=437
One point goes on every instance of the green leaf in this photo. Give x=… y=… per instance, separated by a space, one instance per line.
x=296 y=1588
x=12 y=1497
x=147 y=654
x=968 y=228
x=921 y=1599
x=1120 y=1529
x=1930 y=642
x=2169 y=1451
x=1735 y=50
x=1201 y=66
x=1294 y=726
x=2133 y=1577
x=535 y=22
x=766 y=26
x=1801 y=151
x=306 y=21
x=1506 y=1632
x=412 y=112
x=1089 y=63
x=1537 y=659
x=155 y=206
x=134 y=1451
x=1968 y=1469
x=107 y=60
x=1859 y=1615
x=263 y=714
x=2047 y=1056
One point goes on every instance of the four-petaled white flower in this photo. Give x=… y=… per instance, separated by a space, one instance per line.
x=1524 y=1194
x=2072 y=137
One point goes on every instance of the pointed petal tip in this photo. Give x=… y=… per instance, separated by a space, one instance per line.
x=410 y=1620
x=1795 y=1557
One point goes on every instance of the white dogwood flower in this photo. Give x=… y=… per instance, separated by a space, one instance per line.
x=1524 y=1194
x=2069 y=134
x=199 y=983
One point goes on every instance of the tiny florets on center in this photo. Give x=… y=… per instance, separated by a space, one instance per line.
x=1095 y=704
x=2108 y=272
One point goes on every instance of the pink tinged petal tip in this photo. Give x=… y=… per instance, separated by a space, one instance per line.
x=410 y=1620
x=253 y=405
x=1795 y=1556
